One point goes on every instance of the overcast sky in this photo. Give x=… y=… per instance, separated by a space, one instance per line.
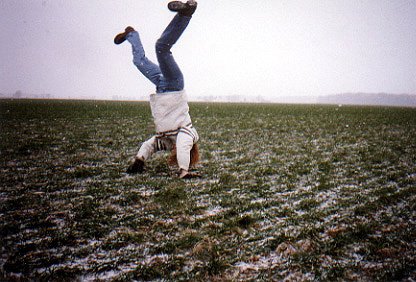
x=234 y=47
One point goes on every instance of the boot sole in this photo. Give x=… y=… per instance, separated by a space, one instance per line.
x=177 y=6
x=120 y=38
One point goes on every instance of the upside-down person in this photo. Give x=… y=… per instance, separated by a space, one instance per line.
x=169 y=104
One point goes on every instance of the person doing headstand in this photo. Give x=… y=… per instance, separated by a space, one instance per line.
x=169 y=105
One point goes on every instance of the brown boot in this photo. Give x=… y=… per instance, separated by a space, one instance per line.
x=184 y=9
x=121 y=37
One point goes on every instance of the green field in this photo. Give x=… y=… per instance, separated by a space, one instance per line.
x=288 y=193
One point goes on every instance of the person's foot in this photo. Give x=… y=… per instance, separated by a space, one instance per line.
x=137 y=166
x=184 y=9
x=121 y=37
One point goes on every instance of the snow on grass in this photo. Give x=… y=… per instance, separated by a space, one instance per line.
x=288 y=193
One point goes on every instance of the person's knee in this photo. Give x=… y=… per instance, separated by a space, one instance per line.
x=162 y=47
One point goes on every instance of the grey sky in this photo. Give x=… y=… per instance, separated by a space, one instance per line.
x=233 y=47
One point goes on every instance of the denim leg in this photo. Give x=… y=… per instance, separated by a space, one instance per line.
x=172 y=79
x=145 y=66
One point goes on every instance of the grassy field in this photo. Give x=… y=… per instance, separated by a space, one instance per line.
x=288 y=193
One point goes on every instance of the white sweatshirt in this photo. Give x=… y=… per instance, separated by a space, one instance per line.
x=173 y=126
x=170 y=111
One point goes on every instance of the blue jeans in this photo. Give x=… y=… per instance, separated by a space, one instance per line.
x=166 y=76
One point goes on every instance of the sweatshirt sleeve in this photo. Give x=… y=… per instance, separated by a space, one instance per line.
x=184 y=143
